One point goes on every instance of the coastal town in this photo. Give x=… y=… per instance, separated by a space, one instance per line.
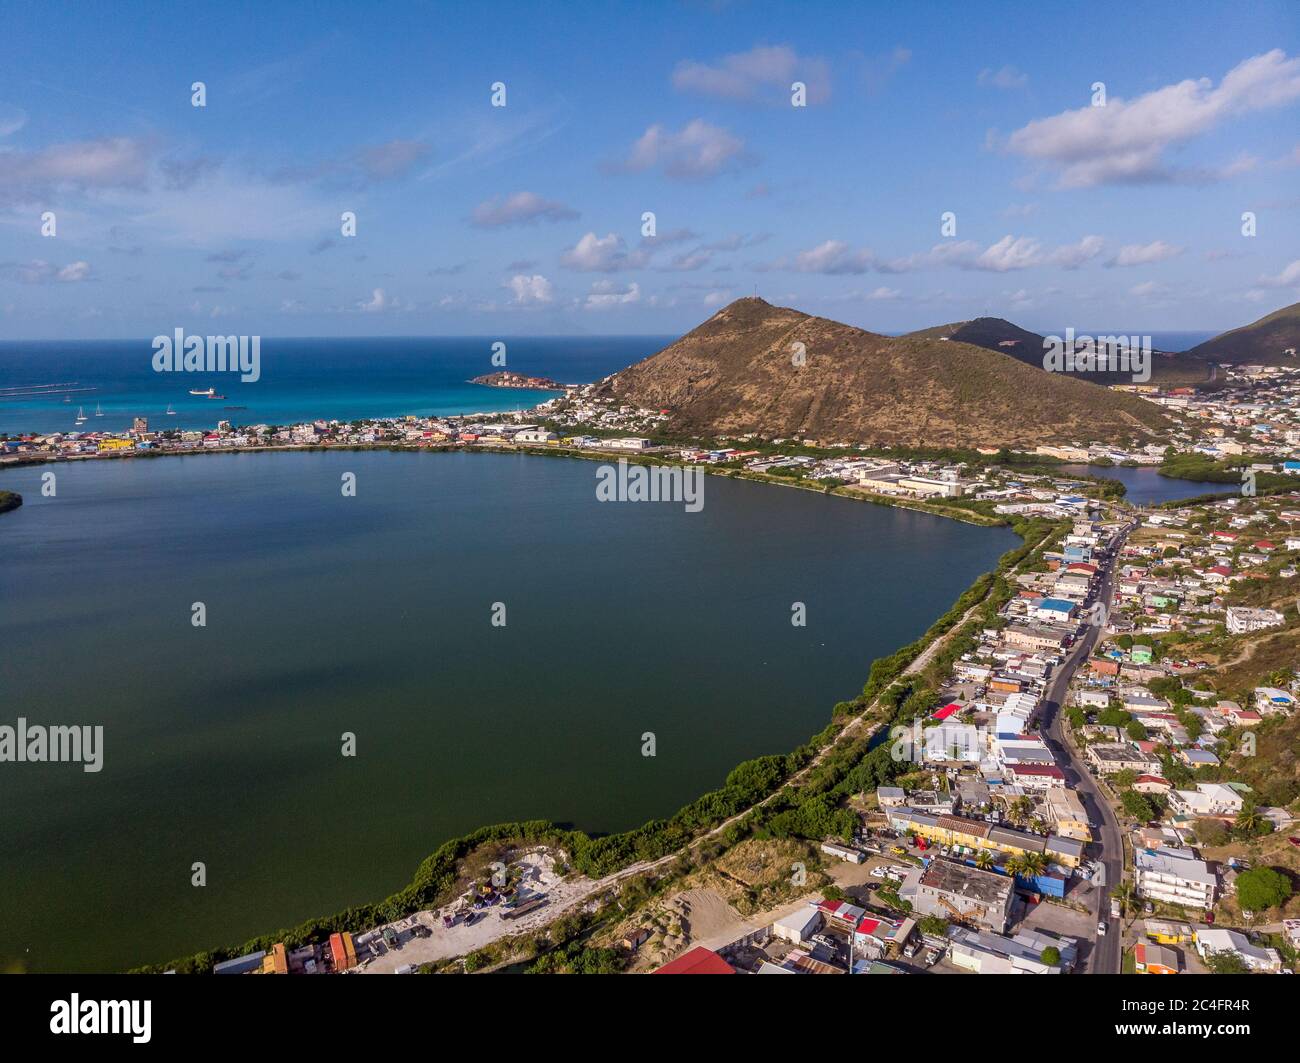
x=690 y=488
x=1101 y=776
x=1248 y=431
x=1077 y=795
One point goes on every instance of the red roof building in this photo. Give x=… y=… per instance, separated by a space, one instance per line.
x=698 y=961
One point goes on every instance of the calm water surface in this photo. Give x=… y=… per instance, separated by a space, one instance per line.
x=1146 y=487
x=372 y=614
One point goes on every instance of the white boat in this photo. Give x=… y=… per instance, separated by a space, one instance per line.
x=170 y=411
x=81 y=415
x=98 y=410
x=209 y=392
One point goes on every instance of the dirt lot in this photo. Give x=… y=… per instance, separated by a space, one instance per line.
x=540 y=876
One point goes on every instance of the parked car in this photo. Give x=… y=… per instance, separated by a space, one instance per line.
x=1101 y=929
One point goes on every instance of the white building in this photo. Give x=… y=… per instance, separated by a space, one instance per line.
x=1208 y=799
x=923 y=485
x=985 y=952
x=1174 y=876
x=798 y=926
x=1242 y=620
x=1215 y=939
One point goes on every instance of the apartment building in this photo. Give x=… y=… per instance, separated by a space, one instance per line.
x=1174 y=876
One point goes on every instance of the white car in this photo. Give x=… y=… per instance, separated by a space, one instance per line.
x=1101 y=929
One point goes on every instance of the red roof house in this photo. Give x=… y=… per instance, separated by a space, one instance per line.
x=698 y=961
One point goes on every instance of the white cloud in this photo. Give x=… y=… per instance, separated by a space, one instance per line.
x=1007 y=254
x=531 y=290
x=1288 y=277
x=377 y=303
x=1124 y=142
x=1147 y=290
x=833 y=257
x=38 y=271
x=763 y=73
x=596 y=254
x=609 y=253
x=1011 y=252
x=522 y=208
x=698 y=150
x=1144 y=254
x=74 y=271
x=605 y=294
x=1072 y=256
x=86 y=165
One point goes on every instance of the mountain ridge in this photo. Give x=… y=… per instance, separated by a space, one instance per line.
x=1264 y=341
x=738 y=372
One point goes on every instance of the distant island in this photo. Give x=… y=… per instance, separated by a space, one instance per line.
x=505 y=379
x=9 y=500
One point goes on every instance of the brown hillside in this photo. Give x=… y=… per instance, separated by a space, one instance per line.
x=734 y=374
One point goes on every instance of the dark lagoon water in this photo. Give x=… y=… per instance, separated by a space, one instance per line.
x=1145 y=486
x=372 y=614
x=301 y=380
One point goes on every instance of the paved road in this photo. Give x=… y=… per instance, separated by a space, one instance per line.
x=1103 y=957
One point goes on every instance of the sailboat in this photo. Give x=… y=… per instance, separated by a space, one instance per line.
x=81 y=415
x=170 y=411
x=98 y=410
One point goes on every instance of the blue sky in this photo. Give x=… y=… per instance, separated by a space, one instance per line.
x=527 y=218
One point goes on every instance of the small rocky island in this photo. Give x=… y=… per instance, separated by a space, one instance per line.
x=506 y=379
x=9 y=500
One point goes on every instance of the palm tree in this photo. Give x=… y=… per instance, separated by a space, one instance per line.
x=1016 y=865
x=1036 y=863
x=1126 y=893
x=1249 y=819
x=984 y=859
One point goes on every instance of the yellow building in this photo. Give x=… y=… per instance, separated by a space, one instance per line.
x=276 y=961
x=115 y=444
x=977 y=834
x=1066 y=811
x=1167 y=932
